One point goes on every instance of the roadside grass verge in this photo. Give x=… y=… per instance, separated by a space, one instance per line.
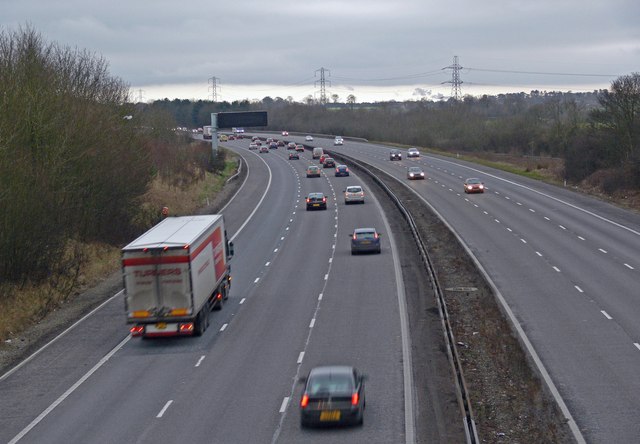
x=85 y=265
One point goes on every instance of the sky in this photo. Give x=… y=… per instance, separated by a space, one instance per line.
x=375 y=50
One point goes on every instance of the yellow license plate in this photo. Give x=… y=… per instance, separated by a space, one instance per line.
x=316 y=205
x=366 y=242
x=161 y=325
x=330 y=415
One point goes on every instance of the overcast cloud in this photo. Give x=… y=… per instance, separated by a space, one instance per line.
x=374 y=49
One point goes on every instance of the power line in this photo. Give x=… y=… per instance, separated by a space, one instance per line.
x=507 y=71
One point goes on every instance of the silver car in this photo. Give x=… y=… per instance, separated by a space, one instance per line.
x=413 y=152
x=354 y=193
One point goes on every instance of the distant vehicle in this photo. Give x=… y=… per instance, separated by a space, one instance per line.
x=338 y=140
x=395 y=155
x=473 y=185
x=280 y=143
x=309 y=138
x=285 y=133
x=329 y=163
x=342 y=171
x=232 y=137
x=365 y=240
x=300 y=148
x=353 y=193
x=223 y=138
x=273 y=146
x=253 y=146
x=207 y=132
x=413 y=152
x=333 y=395
x=254 y=138
x=175 y=274
x=415 y=173
x=237 y=130
x=317 y=152
x=316 y=201
x=291 y=146
x=200 y=130
x=313 y=171
x=264 y=149
x=294 y=155
x=322 y=158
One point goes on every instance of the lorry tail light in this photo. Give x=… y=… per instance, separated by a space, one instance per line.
x=137 y=330
x=186 y=329
x=355 y=398
x=141 y=314
x=219 y=296
x=304 y=401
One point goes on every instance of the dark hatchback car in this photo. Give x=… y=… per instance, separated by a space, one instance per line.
x=294 y=155
x=365 y=240
x=333 y=395
x=329 y=163
x=316 y=201
x=342 y=171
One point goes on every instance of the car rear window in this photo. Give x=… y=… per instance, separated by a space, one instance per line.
x=330 y=384
x=354 y=190
x=366 y=235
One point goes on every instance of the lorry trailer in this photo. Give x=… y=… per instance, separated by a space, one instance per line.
x=175 y=274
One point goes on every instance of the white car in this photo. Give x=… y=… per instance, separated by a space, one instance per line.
x=338 y=140
x=354 y=193
x=285 y=133
x=309 y=139
x=413 y=152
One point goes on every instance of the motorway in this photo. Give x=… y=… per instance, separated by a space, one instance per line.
x=567 y=265
x=298 y=299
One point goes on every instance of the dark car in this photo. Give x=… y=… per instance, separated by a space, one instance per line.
x=316 y=201
x=342 y=171
x=365 y=240
x=291 y=146
x=273 y=146
x=329 y=163
x=333 y=395
x=395 y=155
x=280 y=143
x=473 y=185
x=415 y=173
x=294 y=155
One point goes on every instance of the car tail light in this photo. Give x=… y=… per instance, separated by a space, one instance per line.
x=354 y=236
x=355 y=398
x=375 y=236
x=137 y=330
x=304 y=401
x=308 y=200
x=324 y=199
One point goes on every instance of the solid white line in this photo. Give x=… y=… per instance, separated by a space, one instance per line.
x=283 y=406
x=606 y=315
x=579 y=289
x=300 y=357
x=164 y=409
x=224 y=327
x=312 y=323
x=7 y=374
x=629 y=267
x=200 y=361
x=266 y=189
x=242 y=300
x=69 y=391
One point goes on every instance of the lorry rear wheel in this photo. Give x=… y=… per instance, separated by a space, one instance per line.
x=202 y=322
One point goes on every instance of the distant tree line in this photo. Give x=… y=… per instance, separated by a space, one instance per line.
x=596 y=133
x=75 y=156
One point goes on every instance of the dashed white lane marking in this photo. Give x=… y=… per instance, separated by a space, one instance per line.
x=523 y=241
x=546 y=218
x=637 y=345
x=564 y=228
x=606 y=315
x=326 y=276
x=556 y=268
x=276 y=250
x=267 y=264
x=629 y=267
x=538 y=253
x=497 y=220
x=579 y=289
x=518 y=203
x=312 y=323
x=242 y=300
x=300 y=358
x=224 y=327
x=581 y=238
x=509 y=230
x=320 y=297
x=283 y=406
x=200 y=361
x=282 y=238
x=602 y=251
x=532 y=210
x=330 y=259
x=164 y=409
x=256 y=281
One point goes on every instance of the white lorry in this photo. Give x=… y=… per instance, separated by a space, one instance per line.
x=207 y=132
x=175 y=274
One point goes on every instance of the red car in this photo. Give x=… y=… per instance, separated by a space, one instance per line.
x=473 y=185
